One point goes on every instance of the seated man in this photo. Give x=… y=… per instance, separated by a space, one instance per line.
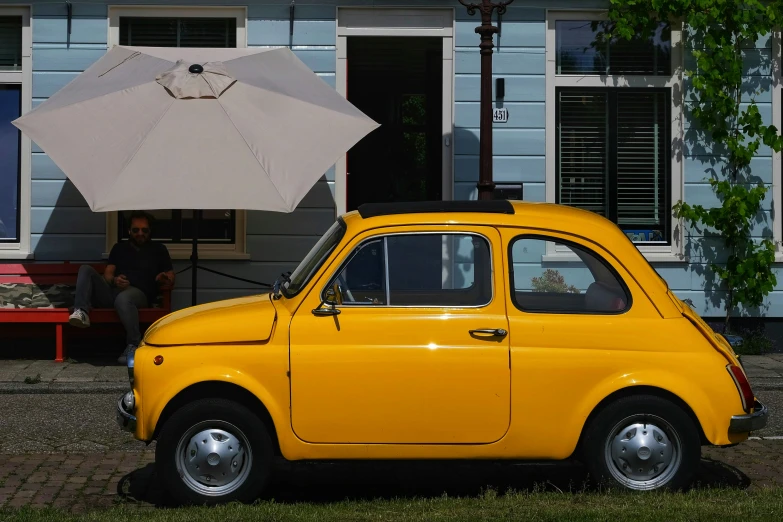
x=130 y=281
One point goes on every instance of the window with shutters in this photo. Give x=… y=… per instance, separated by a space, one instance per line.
x=612 y=156
x=222 y=232
x=614 y=113
x=178 y=32
x=15 y=147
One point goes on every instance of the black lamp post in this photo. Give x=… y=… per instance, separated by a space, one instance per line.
x=485 y=185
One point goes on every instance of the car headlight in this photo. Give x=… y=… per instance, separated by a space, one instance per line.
x=129 y=401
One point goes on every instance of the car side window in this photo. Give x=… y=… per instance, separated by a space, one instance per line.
x=587 y=285
x=411 y=270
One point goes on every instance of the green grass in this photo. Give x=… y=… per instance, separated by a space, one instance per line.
x=705 y=504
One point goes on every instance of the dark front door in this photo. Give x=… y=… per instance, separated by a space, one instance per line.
x=399 y=83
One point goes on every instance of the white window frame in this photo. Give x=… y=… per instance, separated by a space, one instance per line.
x=21 y=250
x=238 y=250
x=654 y=253
x=777 y=168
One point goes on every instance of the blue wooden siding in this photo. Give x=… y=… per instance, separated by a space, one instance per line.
x=64 y=228
x=519 y=145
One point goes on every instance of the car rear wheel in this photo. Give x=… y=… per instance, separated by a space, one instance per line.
x=214 y=451
x=642 y=443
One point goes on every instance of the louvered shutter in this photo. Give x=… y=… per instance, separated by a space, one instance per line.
x=613 y=156
x=178 y=32
x=582 y=149
x=208 y=32
x=10 y=43
x=642 y=158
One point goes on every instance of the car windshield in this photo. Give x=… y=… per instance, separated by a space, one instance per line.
x=314 y=259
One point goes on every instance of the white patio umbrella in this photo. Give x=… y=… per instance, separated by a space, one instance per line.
x=195 y=128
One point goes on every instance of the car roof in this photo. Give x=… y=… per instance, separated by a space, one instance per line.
x=426 y=207
x=494 y=212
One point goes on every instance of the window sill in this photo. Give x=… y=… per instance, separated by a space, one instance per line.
x=15 y=254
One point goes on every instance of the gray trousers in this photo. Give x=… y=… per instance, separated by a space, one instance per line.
x=92 y=291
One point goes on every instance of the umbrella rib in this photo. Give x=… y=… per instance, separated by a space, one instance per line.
x=132 y=56
x=141 y=144
x=251 y=151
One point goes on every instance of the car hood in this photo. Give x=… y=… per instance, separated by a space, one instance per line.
x=243 y=319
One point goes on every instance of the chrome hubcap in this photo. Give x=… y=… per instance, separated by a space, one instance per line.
x=643 y=455
x=214 y=458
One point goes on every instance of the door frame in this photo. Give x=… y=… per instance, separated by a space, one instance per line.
x=375 y=21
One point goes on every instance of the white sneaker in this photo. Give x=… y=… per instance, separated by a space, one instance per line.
x=79 y=319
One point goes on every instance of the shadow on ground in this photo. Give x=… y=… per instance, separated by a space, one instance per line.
x=369 y=480
x=100 y=351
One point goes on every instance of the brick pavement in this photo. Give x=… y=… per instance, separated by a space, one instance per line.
x=79 y=482
x=74 y=481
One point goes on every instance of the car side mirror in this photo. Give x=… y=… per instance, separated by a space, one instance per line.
x=330 y=299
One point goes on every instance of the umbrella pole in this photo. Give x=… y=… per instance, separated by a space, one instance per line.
x=194 y=258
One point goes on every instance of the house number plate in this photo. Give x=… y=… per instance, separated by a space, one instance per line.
x=500 y=115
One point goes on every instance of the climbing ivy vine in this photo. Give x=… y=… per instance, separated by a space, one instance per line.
x=720 y=104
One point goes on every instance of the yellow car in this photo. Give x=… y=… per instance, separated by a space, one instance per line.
x=448 y=330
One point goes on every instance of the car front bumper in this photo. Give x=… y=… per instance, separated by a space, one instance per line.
x=125 y=419
x=751 y=421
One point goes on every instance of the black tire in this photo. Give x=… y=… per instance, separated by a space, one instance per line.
x=243 y=426
x=638 y=462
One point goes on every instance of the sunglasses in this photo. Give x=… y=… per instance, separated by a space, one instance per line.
x=135 y=230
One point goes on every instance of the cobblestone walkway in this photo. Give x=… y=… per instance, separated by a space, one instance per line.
x=75 y=481
x=81 y=482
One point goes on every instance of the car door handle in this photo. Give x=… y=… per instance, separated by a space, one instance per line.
x=491 y=331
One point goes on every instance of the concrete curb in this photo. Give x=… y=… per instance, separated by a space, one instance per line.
x=10 y=388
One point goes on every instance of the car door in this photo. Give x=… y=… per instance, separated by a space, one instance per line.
x=419 y=351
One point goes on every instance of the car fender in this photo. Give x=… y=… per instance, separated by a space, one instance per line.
x=161 y=398
x=713 y=420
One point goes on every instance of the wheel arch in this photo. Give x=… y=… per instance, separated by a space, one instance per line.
x=220 y=390
x=631 y=391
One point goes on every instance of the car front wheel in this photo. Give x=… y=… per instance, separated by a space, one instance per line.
x=642 y=443
x=214 y=451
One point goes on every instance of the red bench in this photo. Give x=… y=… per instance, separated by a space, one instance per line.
x=39 y=276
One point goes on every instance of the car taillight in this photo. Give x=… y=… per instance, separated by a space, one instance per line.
x=743 y=386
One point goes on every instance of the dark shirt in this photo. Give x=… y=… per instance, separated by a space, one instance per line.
x=141 y=265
